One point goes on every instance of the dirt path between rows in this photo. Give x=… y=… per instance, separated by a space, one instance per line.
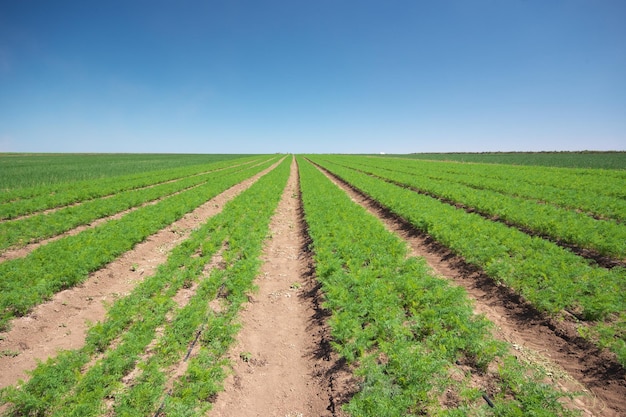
x=572 y=363
x=277 y=366
x=62 y=322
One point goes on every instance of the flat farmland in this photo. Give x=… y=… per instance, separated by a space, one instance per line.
x=310 y=285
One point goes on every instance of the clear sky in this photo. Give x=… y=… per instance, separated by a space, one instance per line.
x=320 y=76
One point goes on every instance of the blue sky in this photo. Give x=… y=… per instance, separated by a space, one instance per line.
x=312 y=76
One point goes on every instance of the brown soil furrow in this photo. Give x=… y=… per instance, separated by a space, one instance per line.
x=333 y=369
x=574 y=363
x=276 y=371
x=62 y=322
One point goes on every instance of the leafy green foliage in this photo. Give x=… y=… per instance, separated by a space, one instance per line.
x=595 y=191
x=607 y=237
x=29 y=281
x=584 y=159
x=20 y=202
x=24 y=174
x=34 y=228
x=402 y=328
x=550 y=277
x=69 y=385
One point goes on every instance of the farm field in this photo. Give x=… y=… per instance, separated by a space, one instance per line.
x=603 y=160
x=314 y=285
x=36 y=170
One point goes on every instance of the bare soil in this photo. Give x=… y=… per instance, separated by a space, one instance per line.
x=62 y=322
x=573 y=363
x=281 y=360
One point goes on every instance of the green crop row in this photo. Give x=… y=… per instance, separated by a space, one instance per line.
x=113 y=183
x=68 y=385
x=404 y=330
x=608 y=182
x=550 y=277
x=26 y=201
x=27 y=170
x=563 y=159
x=596 y=201
x=114 y=345
x=28 y=281
x=608 y=238
x=584 y=159
x=40 y=226
x=248 y=224
x=595 y=204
